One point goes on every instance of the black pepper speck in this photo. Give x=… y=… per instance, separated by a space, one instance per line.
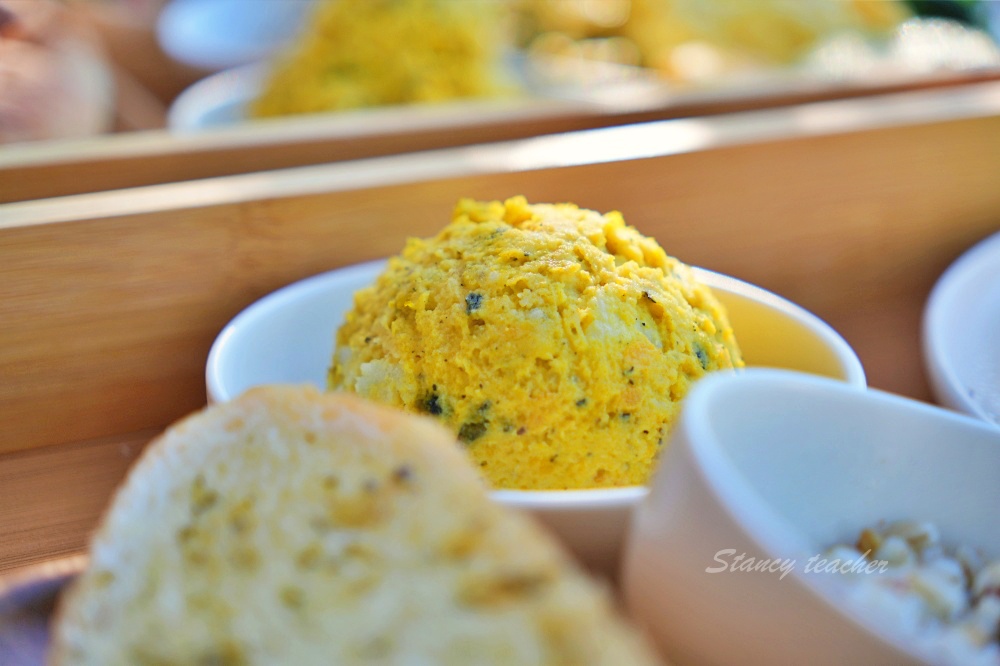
x=471 y=431
x=472 y=302
x=432 y=405
x=402 y=474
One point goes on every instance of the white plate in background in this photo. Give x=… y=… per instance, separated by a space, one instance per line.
x=961 y=333
x=219 y=100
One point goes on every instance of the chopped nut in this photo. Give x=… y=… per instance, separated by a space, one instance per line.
x=945 y=598
x=983 y=624
x=869 y=542
x=896 y=551
x=919 y=536
x=946 y=593
x=987 y=581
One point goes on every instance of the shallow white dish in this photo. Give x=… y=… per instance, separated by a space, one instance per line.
x=778 y=466
x=922 y=51
x=961 y=333
x=221 y=101
x=288 y=337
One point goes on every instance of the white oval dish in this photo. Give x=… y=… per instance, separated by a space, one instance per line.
x=288 y=337
x=961 y=333
x=222 y=100
x=777 y=466
x=219 y=100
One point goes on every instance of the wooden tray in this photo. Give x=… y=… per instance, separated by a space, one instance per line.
x=58 y=168
x=110 y=301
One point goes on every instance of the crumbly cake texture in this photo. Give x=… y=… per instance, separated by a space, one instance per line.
x=300 y=527
x=556 y=342
x=366 y=53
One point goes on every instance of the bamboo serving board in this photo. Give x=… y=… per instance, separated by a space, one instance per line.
x=48 y=169
x=109 y=301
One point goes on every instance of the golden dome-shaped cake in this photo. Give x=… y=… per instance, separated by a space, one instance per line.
x=556 y=342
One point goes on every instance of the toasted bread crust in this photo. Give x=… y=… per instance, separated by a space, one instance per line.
x=292 y=526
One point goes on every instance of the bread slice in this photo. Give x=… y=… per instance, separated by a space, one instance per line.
x=291 y=526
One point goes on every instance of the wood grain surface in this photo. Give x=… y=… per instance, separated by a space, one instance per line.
x=48 y=169
x=110 y=301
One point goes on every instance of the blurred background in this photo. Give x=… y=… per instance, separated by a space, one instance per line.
x=72 y=68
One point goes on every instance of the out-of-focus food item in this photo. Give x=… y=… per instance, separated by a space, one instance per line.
x=698 y=40
x=555 y=341
x=293 y=526
x=943 y=598
x=781 y=31
x=148 y=77
x=54 y=81
x=365 y=53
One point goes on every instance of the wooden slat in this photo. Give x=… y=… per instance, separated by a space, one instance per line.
x=50 y=499
x=33 y=171
x=109 y=301
x=59 y=168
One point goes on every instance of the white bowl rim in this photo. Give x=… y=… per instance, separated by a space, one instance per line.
x=237 y=85
x=955 y=281
x=259 y=308
x=854 y=371
x=724 y=478
x=761 y=524
x=542 y=500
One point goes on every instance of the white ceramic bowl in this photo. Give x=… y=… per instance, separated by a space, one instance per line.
x=288 y=336
x=961 y=333
x=218 y=34
x=780 y=465
x=219 y=100
x=222 y=100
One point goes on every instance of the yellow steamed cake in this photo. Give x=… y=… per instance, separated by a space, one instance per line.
x=364 y=53
x=556 y=342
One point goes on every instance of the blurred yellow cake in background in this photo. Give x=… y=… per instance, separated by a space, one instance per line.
x=556 y=342
x=364 y=53
x=686 y=40
x=367 y=53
